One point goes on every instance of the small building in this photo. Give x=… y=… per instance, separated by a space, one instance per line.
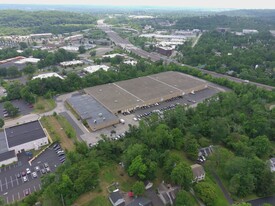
x=167 y=51
x=198 y=172
x=47 y=75
x=70 y=48
x=116 y=199
x=141 y=201
x=272 y=164
x=130 y=62
x=250 y=31
x=113 y=55
x=94 y=68
x=26 y=136
x=167 y=193
x=8 y=157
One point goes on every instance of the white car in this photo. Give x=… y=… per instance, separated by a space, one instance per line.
x=34 y=174
x=25 y=179
x=28 y=171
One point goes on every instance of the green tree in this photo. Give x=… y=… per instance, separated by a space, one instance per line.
x=29 y=69
x=23 y=45
x=182 y=175
x=262 y=146
x=138 y=188
x=12 y=110
x=81 y=49
x=138 y=168
x=184 y=199
x=93 y=53
x=206 y=192
x=2 y=123
x=191 y=148
x=242 y=204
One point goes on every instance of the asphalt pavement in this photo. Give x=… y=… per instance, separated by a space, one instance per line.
x=13 y=188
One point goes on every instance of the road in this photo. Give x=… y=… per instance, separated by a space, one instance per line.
x=125 y=44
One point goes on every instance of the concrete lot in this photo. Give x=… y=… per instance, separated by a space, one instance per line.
x=13 y=188
x=23 y=107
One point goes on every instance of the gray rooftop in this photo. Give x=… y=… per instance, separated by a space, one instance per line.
x=141 y=201
x=7 y=155
x=24 y=133
x=115 y=196
x=3 y=143
x=90 y=109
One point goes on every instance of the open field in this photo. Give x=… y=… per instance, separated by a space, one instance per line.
x=44 y=105
x=57 y=132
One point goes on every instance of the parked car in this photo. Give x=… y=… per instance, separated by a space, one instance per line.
x=25 y=179
x=34 y=174
x=48 y=169
x=18 y=175
x=26 y=192
x=28 y=171
x=43 y=171
x=37 y=168
x=23 y=174
x=46 y=165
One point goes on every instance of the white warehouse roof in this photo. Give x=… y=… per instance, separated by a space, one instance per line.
x=71 y=63
x=47 y=75
x=94 y=68
x=27 y=60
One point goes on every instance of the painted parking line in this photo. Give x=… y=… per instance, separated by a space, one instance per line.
x=7 y=200
x=19 y=196
x=17 y=180
x=6 y=183
x=12 y=198
x=34 y=188
x=39 y=186
x=1 y=186
x=11 y=181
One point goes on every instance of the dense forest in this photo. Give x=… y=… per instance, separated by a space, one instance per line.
x=16 y=22
x=249 y=57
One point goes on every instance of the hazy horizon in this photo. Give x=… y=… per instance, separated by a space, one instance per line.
x=234 y=4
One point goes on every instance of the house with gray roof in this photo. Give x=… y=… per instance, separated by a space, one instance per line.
x=116 y=198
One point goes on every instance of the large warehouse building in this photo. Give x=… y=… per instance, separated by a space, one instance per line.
x=20 y=138
x=126 y=95
x=101 y=104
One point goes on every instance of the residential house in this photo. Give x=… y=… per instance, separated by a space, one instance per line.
x=206 y=151
x=167 y=193
x=116 y=198
x=198 y=172
x=141 y=201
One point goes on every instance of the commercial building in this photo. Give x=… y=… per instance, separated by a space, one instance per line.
x=47 y=75
x=20 y=138
x=71 y=63
x=167 y=51
x=40 y=36
x=94 y=68
x=130 y=94
x=30 y=60
x=74 y=37
x=94 y=113
x=250 y=31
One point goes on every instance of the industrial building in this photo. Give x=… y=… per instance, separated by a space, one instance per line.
x=48 y=75
x=94 y=113
x=94 y=68
x=130 y=94
x=20 y=138
x=167 y=51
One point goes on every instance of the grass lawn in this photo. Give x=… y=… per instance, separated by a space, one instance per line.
x=99 y=201
x=183 y=157
x=44 y=105
x=67 y=127
x=108 y=175
x=57 y=133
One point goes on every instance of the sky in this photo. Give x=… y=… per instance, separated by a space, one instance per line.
x=244 y=4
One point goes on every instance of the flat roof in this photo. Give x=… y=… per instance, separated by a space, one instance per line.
x=24 y=133
x=139 y=91
x=7 y=155
x=89 y=109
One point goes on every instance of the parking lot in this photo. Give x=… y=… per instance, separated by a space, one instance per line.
x=13 y=187
x=24 y=108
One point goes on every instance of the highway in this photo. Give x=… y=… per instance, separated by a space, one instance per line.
x=125 y=44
